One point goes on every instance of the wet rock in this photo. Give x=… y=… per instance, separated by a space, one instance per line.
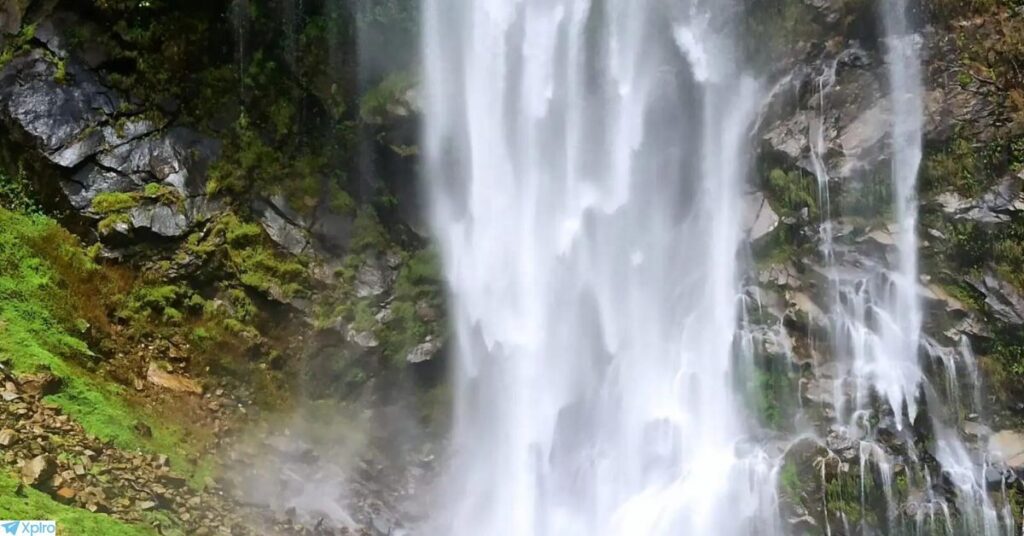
x=759 y=218
x=783 y=275
x=372 y=278
x=287 y=232
x=998 y=205
x=161 y=219
x=1005 y=302
x=62 y=119
x=11 y=14
x=174 y=382
x=365 y=339
x=424 y=351
x=38 y=470
x=976 y=430
x=1008 y=446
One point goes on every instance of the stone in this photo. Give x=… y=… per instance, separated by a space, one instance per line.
x=287 y=232
x=40 y=384
x=759 y=218
x=365 y=339
x=7 y=437
x=145 y=505
x=1008 y=446
x=66 y=494
x=174 y=382
x=164 y=220
x=998 y=205
x=1005 y=302
x=372 y=278
x=424 y=351
x=976 y=430
x=38 y=470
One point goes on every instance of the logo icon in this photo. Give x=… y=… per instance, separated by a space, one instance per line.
x=27 y=528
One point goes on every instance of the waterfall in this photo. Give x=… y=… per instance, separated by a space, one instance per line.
x=586 y=163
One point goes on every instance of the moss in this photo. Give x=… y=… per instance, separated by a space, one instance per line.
x=19 y=44
x=368 y=235
x=789 y=479
x=339 y=201
x=793 y=192
x=419 y=284
x=388 y=97
x=71 y=521
x=255 y=263
x=110 y=202
x=771 y=397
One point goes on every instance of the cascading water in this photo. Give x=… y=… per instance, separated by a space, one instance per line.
x=876 y=319
x=586 y=162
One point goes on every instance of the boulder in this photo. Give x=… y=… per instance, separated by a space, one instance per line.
x=7 y=437
x=1001 y=298
x=1008 y=446
x=40 y=384
x=998 y=205
x=759 y=218
x=174 y=382
x=424 y=351
x=38 y=470
x=11 y=14
x=287 y=232
x=64 y=120
x=373 y=278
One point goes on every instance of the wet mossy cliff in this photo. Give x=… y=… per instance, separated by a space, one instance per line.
x=249 y=165
x=822 y=163
x=212 y=197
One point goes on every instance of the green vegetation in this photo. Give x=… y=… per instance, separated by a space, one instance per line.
x=418 y=296
x=108 y=202
x=772 y=397
x=774 y=28
x=789 y=480
x=958 y=167
x=17 y=45
x=793 y=192
x=71 y=521
x=391 y=94
x=52 y=297
x=15 y=194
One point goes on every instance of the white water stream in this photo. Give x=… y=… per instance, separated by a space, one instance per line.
x=587 y=162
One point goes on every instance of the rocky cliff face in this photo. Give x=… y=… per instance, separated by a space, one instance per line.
x=260 y=270
x=177 y=143
x=829 y=120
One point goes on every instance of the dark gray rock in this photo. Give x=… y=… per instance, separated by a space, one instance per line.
x=163 y=220
x=998 y=205
x=1001 y=298
x=283 y=230
x=64 y=120
x=93 y=180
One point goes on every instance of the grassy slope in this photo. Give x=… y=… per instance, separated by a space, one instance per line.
x=70 y=521
x=50 y=291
